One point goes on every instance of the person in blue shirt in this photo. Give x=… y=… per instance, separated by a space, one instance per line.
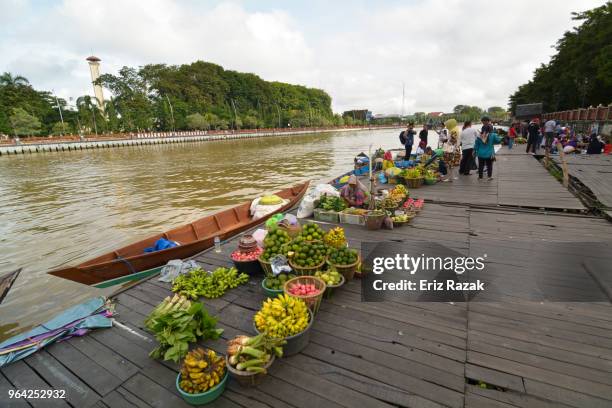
x=484 y=149
x=407 y=139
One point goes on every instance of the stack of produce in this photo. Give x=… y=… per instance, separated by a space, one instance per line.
x=335 y=238
x=252 y=354
x=312 y=232
x=277 y=282
x=275 y=243
x=307 y=254
x=343 y=256
x=331 y=203
x=240 y=255
x=303 y=289
x=282 y=317
x=355 y=211
x=197 y=282
x=201 y=370
x=176 y=322
x=331 y=278
x=389 y=203
x=399 y=193
x=401 y=219
x=270 y=200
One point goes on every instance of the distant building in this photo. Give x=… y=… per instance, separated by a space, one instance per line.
x=359 y=114
x=94 y=69
x=435 y=114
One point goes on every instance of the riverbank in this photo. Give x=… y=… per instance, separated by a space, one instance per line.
x=138 y=139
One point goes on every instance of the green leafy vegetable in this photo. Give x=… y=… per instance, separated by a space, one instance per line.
x=197 y=282
x=176 y=322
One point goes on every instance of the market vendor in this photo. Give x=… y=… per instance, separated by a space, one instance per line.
x=354 y=192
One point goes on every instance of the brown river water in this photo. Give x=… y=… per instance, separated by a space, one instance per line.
x=65 y=207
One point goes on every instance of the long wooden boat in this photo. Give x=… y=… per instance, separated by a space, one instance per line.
x=193 y=238
x=6 y=282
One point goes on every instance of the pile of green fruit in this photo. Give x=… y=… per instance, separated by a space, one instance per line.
x=277 y=282
x=332 y=203
x=307 y=253
x=312 y=232
x=282 y=317
x=275 y=243
x=343 y=256
x=331 y=278
x=197 y=282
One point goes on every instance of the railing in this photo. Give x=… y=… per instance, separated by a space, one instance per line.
x=147 y=135
x=598 y=114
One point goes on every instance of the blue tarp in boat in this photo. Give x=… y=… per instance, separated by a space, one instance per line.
x=76 y=321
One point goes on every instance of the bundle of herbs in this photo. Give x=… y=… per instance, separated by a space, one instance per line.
x=176 y=322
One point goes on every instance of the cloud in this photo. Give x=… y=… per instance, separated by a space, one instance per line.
x=445 y=52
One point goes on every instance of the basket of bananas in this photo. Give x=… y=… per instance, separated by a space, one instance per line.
x=202 y=376
x=288 y=318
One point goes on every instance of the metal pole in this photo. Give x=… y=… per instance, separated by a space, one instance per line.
x=235 y=114
x=59 y=108
x=171 y=113
x=279 y=117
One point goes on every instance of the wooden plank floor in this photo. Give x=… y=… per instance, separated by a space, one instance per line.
x=595 y=172
x=537 y=353
x=519 y=180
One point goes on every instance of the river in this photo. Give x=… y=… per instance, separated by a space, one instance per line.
x=65 y=207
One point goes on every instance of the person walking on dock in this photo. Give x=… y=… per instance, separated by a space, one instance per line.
x=550 y=127
x=533 y=130
x=485 y=149
x=467 y=140
x=407 y=139
x=513 y=133
x=423 y=136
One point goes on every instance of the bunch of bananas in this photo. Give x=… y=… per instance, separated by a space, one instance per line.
x=201 y=370
x=390 y=202
x=282 y=316
x=335 y=238
x=399 y=192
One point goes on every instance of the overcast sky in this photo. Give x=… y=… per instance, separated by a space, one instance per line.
x=446 y=52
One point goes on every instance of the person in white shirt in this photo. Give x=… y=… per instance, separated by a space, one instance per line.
x=549 y=132
x=467 y=140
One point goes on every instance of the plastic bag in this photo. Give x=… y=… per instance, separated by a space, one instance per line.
x=260 y=235
x=381 y=178
x=174 y=268
x=260 y=211
x=306 y=208
x=280 y=265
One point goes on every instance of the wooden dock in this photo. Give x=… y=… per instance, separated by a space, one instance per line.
x=394 y=353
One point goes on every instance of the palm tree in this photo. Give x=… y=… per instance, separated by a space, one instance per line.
x=7 y=79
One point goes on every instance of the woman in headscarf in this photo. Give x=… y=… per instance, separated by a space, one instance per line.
x=354 y=192
x=452 y=150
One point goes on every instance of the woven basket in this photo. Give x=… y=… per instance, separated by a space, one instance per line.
x=307 y=270
x=348 y=271
x=292 y=230
x=266 y=266
x=374 y=222
x=312 y=301
x=414 y=182
x=246 y=378
x=330 y=288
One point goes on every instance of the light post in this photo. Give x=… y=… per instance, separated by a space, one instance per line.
x=171 y=113
x=59 y=108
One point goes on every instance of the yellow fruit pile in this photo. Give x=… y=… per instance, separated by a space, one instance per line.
x=399 y=192
x=282 y=316
x=335 y=238
x=201 y=370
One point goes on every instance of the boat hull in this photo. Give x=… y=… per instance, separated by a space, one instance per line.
x=131 y=259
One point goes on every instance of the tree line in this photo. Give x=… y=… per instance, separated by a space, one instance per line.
x=160 y=97
x=580 y=73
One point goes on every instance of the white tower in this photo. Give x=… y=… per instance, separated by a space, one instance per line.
x=94 y=68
